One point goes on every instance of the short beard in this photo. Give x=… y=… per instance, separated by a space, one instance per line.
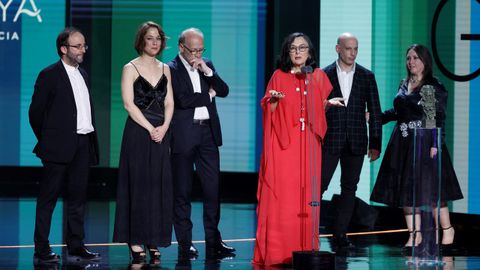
x=74 y=61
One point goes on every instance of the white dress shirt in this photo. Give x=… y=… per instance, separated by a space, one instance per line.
x=82 y=99
x=345 y=79
x=201 y=113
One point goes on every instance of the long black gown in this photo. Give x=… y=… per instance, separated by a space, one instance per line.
x=395 y=178
x=144 y=212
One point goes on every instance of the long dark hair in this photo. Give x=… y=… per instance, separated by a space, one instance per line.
x=426 y=58
x=284 y=63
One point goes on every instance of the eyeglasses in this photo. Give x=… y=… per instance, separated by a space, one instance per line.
x=78 y=46
x=301 y=48
x=194 y=51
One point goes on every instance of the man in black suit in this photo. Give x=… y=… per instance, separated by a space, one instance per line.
x=196 y=136
x=354 y=93
x=61 y=116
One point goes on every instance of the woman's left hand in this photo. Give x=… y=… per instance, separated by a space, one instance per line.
x=433 y=152
x=158 y=134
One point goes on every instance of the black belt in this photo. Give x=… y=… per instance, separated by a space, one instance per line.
x=201 y=122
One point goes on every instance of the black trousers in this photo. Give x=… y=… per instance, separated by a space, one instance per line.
x=351 y=166
x=74 y=177
x=205 y=157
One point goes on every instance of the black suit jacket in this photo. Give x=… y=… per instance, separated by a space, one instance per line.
x=348 y=124
x=53 y=116
x=186 y=101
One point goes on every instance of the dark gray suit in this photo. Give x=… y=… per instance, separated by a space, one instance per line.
x=347 y=140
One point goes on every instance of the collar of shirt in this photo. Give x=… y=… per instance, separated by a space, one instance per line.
x=69 y=68
x=189 y=68
x=82 y=99
x=193 y=74
x=200 y=112
x=345 y=80
x=339 y=69
x=186 y=64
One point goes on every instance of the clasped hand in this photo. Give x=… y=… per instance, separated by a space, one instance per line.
x=157 y=134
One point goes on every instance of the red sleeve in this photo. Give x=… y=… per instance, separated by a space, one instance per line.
x=276 y=123
x=322 y=88
x=275 y=134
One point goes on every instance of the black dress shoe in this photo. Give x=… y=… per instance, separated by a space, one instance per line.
x=45 y=257
x=82 y=253
x=215 y=257
x=189 y=252
x=220 y=248
x=341 y=242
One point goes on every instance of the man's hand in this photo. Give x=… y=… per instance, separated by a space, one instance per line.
x=212 y=93
x=198 y=63
x=335 y=102
x=373 y=154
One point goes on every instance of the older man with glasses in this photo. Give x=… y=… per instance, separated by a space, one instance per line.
x=196 y=136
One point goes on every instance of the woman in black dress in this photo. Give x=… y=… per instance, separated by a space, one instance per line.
x=396 y=175
x=144 y=211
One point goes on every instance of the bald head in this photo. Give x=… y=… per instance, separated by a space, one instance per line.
x=346 y=36
x=190 y=44
x=188 y=33
x=347 y=49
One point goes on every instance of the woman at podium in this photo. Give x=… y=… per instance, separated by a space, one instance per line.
x=419 y=106
x=289 y=177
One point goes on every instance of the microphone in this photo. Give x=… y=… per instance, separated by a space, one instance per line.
x=306 y=69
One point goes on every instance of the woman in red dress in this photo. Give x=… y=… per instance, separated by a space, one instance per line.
x=289 y=178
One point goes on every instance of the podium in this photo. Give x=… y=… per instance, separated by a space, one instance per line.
x=426 y=197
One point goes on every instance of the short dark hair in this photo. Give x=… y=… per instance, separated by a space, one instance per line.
x=62 y=38
x=142 y=31
x=426 y=58
x=285 y=63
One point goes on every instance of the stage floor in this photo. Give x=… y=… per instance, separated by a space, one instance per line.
x=375 y=250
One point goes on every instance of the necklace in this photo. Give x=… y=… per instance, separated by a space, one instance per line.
x=295 y=70
x=413 y=80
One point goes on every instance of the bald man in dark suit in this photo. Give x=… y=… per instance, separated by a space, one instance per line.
x=354 y=93
x=196 y=136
